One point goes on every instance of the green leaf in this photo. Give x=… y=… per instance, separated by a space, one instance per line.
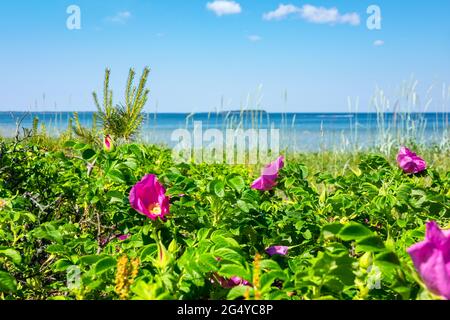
x=207 y=263
x=92 y=284
x=12 y=254
x=131 y=164
x=387 y=259
x=333 y=284
x=237 y=183
x=228 y=254
x=69 y=144
x=104 y=265
x=222 y=242
x=202 y=233
x=115 y=196
x=79 y=146
x=307 y=234
x=354 y=231
x=148 y=252
x=403 y=290
x=331 y=230
x=289 y=182
x=7 y=282
x=56 y=248
x=88 y=154
x=267 y=279
x=345 y=274
x=370 y=244
x=47 y=231
x=401 y=223
x=90 y=259
x=116 y=176
x=234 y=270
x=219 y=189
x=238 y=292
x=136 y=150
x=267 y=264
x=61 y=265
x=243 y=206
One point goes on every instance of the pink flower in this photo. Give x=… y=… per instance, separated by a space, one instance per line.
x=107 y=143
x=281 y=250
x=229 y=283
x=237 y=281
x=431 y=258
x=123 y=237
x=148 y=198
x=269 y=175
x=410 y=162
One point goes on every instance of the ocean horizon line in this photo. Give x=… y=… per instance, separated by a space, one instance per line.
x=234 y=111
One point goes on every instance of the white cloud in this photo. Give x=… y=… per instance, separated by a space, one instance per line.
x=254 y=38
x=310 y=13
x=224 y=7
x=281 y=12
x=121 y=17
x=378 y=43
x=351 y=18
x=319 y=14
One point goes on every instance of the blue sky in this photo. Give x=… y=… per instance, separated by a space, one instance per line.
x=200 y=51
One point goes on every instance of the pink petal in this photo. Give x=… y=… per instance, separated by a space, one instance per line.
x=267 y=180
x=149 y=191
x=263 y=183
x=273 y=168
x=281 y=250
x=431 y=259
x=410 y=162
x=123 y=237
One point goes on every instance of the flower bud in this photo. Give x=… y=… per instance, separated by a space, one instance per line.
x=163 y=258
x=107 y=143
x=366 y=260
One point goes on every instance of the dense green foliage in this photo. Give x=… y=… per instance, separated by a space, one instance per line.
x=348 y=231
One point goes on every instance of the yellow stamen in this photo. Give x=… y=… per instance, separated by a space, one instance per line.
x=155 y=208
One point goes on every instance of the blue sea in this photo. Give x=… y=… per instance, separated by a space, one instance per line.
x=298 y=131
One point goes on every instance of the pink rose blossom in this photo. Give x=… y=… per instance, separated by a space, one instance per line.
x=281 y=250
x=431 y=258
x=148 y=198
x=267 y=180
x=123 y=237
x=229 y=283
x=410 y=162
x=107 y=143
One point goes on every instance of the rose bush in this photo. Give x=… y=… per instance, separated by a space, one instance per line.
x=128 y=223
